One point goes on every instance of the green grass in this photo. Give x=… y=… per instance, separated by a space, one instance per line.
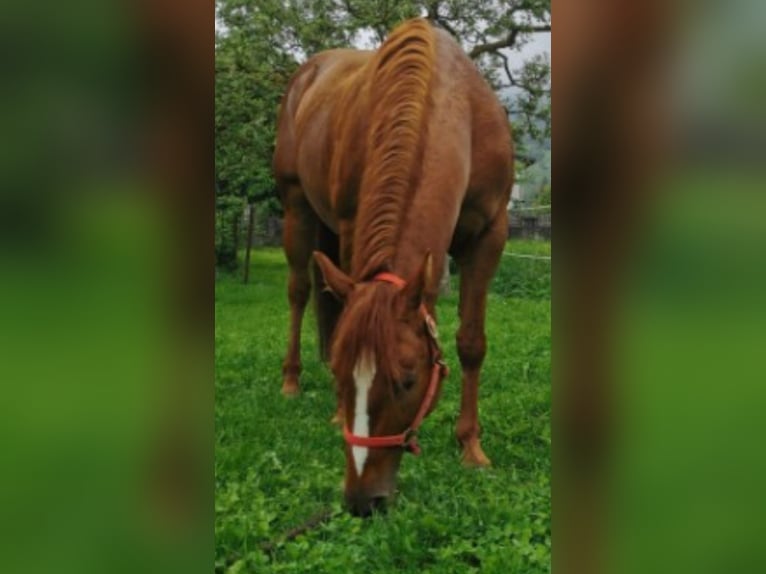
x=280 y=461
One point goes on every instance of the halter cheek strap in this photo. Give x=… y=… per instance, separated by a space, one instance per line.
x=408 y=438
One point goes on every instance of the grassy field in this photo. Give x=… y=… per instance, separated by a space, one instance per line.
x=279 y=462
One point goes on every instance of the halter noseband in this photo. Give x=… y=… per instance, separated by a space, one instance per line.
x=408 y=439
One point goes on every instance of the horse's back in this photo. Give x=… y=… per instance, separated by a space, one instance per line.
x=305 y=132
x=491 y=145
x=323 y=110
x=473 y=135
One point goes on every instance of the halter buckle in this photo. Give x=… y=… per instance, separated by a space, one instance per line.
x=410 y=443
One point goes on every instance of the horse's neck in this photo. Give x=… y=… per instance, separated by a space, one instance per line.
x=421 y=235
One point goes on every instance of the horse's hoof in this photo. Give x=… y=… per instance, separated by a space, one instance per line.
x=473 y=456
x=291 y=388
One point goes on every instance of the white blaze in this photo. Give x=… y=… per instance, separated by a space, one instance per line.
x=364 y=373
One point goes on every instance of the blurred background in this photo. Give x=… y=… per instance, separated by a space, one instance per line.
x=106 y=330
x=659 y=285
x=691 y=318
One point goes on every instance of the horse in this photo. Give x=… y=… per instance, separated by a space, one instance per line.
x=386 y=161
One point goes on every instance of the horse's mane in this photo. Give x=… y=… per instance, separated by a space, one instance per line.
x=398 y=84
x=400 y=79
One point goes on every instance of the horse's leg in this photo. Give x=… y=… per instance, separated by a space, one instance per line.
x=299 y=236
x=477 y=263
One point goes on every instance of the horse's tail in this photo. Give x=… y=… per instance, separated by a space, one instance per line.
x=400 y=98
x=327 y=307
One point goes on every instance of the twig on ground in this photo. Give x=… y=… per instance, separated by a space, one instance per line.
x=310 y=524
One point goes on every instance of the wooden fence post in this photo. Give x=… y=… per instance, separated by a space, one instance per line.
x=250 y=225
x=444 y=281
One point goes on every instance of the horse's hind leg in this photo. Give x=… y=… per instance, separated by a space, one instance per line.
x=299 y=237
x=477 y=263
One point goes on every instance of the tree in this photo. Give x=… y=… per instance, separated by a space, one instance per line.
x=260 y=43
x=250 y=76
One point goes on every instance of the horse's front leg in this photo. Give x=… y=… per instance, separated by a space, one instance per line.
x=477 y=264
x=298 y=241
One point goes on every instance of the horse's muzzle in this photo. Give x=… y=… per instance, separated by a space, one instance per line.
x=363 y=506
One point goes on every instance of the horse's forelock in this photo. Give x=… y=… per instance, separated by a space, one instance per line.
x=367 y=327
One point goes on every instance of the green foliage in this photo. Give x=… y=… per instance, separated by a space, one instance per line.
x=228 y=214
x=279 y=461
x=521 y=276
x=250 y=78
x=535 y=179
x=532 y=106
x=544 y=197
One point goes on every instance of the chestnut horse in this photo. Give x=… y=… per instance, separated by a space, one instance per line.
x=386 y=161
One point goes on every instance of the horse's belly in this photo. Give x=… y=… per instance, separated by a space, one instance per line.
x=474 y=219
x=319 y=199
x=470 y=224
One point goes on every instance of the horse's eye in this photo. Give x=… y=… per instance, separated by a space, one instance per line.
x=408 y=382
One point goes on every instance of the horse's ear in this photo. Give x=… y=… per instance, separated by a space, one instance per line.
x=338 y=283
x=413 y=291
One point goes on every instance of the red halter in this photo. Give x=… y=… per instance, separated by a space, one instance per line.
x=407 y=439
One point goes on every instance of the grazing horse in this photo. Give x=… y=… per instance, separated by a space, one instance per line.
x=386 y=161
